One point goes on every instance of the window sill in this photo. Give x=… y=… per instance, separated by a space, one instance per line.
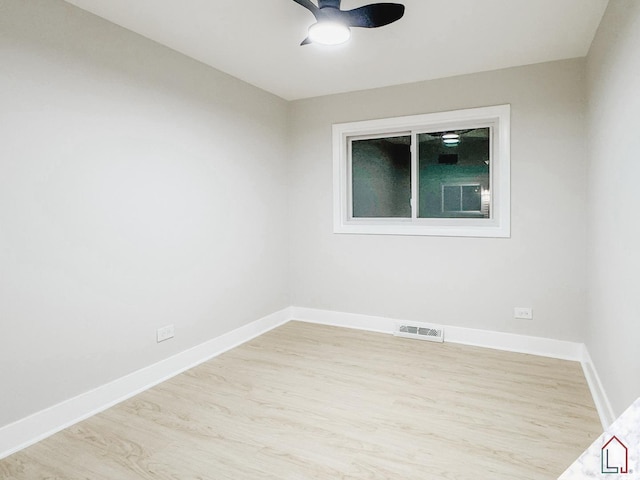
x=448 y=228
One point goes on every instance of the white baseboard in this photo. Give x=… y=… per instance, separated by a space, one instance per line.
x=605 y=411
x=32 y=429
x=546 y=347
x=36 y=427
x=341 y=319
x=512 y=342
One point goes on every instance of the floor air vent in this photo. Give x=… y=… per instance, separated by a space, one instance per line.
x=421 y=331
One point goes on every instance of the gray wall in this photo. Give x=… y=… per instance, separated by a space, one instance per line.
x=468 y=282
x=614 y=198
x=138 y=188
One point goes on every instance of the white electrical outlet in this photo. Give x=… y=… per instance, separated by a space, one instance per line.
x=524 y=313
x=165 y=333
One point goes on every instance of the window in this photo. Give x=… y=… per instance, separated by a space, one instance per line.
x=441 y=174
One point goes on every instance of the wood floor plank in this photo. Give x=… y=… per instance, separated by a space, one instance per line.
x=316 y=402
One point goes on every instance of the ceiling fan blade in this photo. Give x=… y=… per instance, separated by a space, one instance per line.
x=309 y=5
x=329 y=3
x=376 y=15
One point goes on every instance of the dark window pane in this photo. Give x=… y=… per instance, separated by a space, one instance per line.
x=471 y=198
x=451 y=198
x=381 y=177
x=453 y=174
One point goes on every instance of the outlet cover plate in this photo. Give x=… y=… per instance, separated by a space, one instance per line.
x=524 y=313
x=165 y=333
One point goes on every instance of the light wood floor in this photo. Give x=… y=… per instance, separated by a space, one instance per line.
x=315 y=402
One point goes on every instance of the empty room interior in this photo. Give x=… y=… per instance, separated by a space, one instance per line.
x=229 y=250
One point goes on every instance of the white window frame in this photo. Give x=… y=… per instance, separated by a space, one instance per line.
x=498 y=118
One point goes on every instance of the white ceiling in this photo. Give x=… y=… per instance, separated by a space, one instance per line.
x=258 y=40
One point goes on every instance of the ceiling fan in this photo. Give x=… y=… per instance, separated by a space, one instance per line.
x=333 y=25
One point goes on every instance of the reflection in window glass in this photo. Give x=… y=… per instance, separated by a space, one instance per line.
x=454 y=174
x=471 y=198
x=451 y=198
x=461 y=198
x=381 y=177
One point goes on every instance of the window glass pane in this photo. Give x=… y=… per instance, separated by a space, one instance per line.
x=471 y=198
x=381 y=177
x=454 y=173
x=451 y=198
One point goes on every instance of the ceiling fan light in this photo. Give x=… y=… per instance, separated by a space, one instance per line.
x=451 y=139
x=329 y=33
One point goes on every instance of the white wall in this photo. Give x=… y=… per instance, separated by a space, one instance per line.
x=468 y=282
x=614 y=198
x=138 y=188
